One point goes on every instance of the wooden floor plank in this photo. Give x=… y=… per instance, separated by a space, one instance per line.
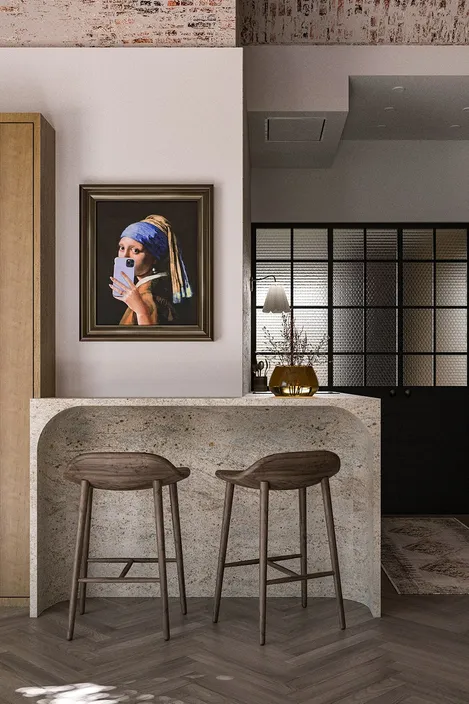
x=418 y=653
x=389 y=690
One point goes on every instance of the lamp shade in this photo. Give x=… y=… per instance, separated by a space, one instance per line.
x=276 y=300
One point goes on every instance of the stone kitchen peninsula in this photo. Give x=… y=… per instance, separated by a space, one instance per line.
x=206 y=434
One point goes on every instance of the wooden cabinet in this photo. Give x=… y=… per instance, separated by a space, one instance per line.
x=27 y=323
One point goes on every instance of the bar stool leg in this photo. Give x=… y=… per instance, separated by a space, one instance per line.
x=86 y=552
x=85 y=487
x=173 y=494
x=225 y=529
x=326 y=497
x=303 y=546
x=159 y=520
x=263 y=542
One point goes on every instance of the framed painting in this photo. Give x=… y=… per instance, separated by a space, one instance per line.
x=146 y=262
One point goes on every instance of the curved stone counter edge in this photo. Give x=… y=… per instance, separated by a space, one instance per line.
x=344 y=423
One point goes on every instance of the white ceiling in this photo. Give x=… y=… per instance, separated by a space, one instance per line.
x=426 y=108
x=314 y=151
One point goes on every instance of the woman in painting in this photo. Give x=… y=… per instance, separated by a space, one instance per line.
x=161 y=277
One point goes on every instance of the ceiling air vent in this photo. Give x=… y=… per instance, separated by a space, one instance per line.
x=294 y=129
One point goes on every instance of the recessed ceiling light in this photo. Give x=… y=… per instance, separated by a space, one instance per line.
x=399 y=89
x=455 y=126
x=389 y=108
x=381 y=125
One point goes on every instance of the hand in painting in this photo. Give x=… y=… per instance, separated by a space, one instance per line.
x=130 y=295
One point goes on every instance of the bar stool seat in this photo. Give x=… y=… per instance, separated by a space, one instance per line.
x=280 y=472
x=286 y=470
x=125 y=471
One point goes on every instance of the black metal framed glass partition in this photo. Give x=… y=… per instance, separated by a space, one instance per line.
x=389 y=301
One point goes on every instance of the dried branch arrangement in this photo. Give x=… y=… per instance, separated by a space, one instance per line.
x=293 y=348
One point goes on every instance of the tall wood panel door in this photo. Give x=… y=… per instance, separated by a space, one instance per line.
x=27 y=324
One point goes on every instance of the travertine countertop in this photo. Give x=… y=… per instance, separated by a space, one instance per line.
x=365 y=407
x=205 y=434
x=259 y=399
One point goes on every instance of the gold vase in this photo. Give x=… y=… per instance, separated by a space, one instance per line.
x=293 y=381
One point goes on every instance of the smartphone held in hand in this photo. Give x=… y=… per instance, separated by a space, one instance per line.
x=123 y=265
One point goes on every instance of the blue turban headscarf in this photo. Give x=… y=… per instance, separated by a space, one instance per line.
x=161 y=245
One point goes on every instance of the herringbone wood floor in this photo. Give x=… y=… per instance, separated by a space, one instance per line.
x=418 y=653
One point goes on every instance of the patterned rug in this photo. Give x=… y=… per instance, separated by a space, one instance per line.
x=426 y=555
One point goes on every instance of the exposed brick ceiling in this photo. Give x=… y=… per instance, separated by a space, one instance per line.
x=355 y=22
x=118 y=23
x=213 y=22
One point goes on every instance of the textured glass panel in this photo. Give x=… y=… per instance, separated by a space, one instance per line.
x=310 y=244
x=381 y=330
x=381 y=244
x=281 y=271
x=381 y=370
x=348 y=244
x=348 y=370
x=321 y=367
x=348 y=284
x=274 y=324
x=273 y=243
x=418 y=330
x=418 y=284
x=451 y=244
x=381 y=284
x=418 y=370
x=348 y=330
x=309 y=284
x=451 y=330
x=451 y=370
x=417 y=244
x=451 y=284
x=314 y=324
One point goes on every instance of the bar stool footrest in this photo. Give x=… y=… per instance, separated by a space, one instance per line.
x=276 y=558
x=118 y=560
x=128 y=562
x=110 y=580
x=300 y=577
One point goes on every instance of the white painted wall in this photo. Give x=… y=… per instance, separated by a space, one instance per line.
x=370 y=181
x=144 y=116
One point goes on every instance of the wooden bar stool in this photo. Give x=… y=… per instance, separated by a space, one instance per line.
x=125 y=471
x=283 y=471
